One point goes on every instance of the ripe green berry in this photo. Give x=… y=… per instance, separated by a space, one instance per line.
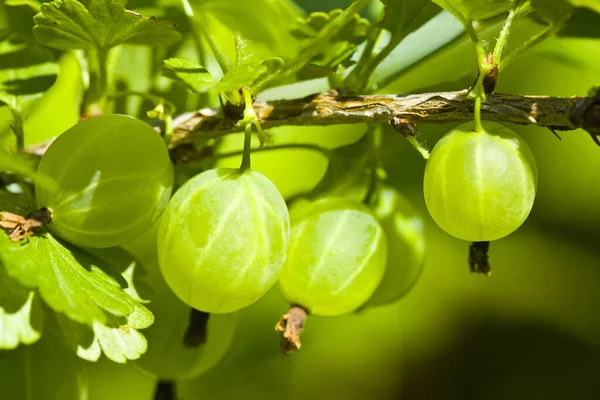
x=110 y=179
x=480 y=186
x=223 y=239
x=404 y=230
x=336 y=257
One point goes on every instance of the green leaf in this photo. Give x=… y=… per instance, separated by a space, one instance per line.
x=339 y=50
x=585 y=23
x=70 y=280
x=347 y=165
x=27 y=70
x=263 y=21
x=245 y=75
x=199 y=80
x=555 y=12
x=591 y=4
x=193 y=75
x=46 y=370
x=98 y=24
x=118 y=338
x=21 y=314
x=471 y=10
x=403 y=17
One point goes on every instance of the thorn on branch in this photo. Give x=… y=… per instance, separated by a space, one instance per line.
x=291 y=326
x=554 y=133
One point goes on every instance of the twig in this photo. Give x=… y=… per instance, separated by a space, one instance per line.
x=329 y=108
x=558 y=113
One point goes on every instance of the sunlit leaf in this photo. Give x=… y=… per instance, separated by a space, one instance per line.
x=265 y=21
x=553 y=11
x=471 y=10
x=98 y=24
x=193 y=75
x=27 y=70
x=69 y=280
x=403 y=17
x=336 y=52
x=118 y=338
x=246 y=74
x=585 y=23
x=591 y=4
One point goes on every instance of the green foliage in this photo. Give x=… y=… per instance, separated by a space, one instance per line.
x=471 y=10
x=193 y=75
x=21 y=314
x=341 y=47
x=223 y=241
x=402 y=17
x=28 y=70
x=89 y=291
x=92 y=295
x=249 y=20
x=98 y=24
x=57 y=373
x=553 y=11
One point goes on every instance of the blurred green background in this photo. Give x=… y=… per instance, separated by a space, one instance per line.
x=530 y=331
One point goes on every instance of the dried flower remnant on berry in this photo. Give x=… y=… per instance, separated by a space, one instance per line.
x=19 y=227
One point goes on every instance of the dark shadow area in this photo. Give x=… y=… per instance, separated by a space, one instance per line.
x=495 y=359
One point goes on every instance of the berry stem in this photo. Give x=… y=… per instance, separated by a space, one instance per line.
x=165 y=390
x=374 y=186
x=478 y=90
x=291 y=326
x=203 y=31
x=196 y=32
x=249 y=118
x=195 y=335
x=247 y=147
x=17 y=128
x=97 y=94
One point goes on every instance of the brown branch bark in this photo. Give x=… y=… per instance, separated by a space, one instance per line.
x=330 y=108
x=556 y=113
